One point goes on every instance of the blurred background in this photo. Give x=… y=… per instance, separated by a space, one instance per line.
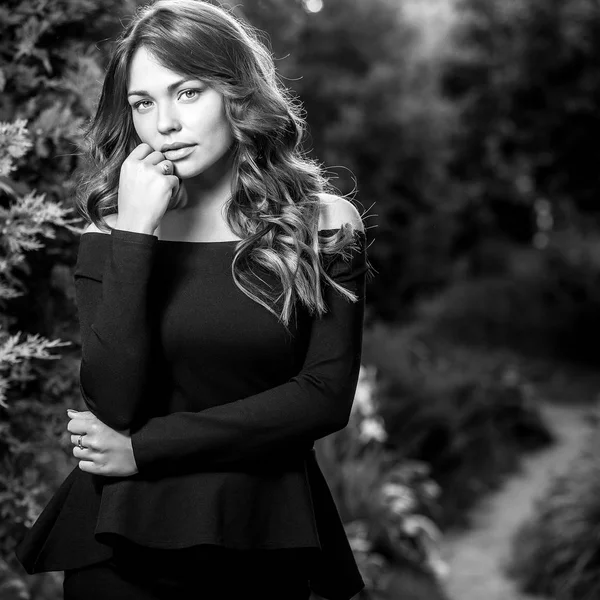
x=469 y=131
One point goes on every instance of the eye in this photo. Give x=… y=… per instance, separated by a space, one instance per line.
x=190 y=94
x=139 y=104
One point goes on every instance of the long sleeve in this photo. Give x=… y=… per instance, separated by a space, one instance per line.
x=311 y=405
x=113 y=316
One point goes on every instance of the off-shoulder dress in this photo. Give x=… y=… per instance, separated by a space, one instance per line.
x=223 y=404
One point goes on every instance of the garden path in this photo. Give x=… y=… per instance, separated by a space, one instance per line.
x=476 y=556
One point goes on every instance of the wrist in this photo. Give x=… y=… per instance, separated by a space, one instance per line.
x=135 y=227
x=132 y=455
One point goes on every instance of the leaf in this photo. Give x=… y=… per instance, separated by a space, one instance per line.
x=14 y=143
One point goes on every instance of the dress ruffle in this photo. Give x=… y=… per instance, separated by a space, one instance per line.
x=63 y=535
x=89 y=513
x=234 y=509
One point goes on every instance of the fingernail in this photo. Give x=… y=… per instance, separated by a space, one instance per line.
x=70 y=410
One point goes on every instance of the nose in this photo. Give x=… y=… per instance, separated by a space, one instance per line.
x=168 y=119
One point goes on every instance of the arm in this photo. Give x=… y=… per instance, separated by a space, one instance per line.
x=113 y=316
x=311 y=405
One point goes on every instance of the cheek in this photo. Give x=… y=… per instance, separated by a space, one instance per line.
x=213 y=128
x=216 y=120
x=224 y=121
x=141 y=128
x=223 y=127
x=226 y=133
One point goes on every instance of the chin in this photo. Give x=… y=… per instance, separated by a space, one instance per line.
x=188 y=171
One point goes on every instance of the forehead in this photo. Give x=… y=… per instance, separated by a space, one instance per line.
x=145 y=71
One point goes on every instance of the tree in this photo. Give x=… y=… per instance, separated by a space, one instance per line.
x=378 y=123
x=527 y=80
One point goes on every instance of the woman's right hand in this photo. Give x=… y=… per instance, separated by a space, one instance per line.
x=146 y=187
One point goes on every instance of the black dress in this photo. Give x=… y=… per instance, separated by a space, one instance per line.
x=223 y=405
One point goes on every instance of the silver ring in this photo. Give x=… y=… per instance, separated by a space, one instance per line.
x=79 y=441
x=166 y=168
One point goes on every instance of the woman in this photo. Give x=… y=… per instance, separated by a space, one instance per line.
x=220 y=292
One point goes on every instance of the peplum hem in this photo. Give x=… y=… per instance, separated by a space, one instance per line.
x=238 y=510
x=90 y=515
x=62 y=537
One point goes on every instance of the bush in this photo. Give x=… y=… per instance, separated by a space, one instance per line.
x=30 y=454
x=388 y=504
x=48 y=86
x=544 y=303
x=491 y=311
x=557 y=552
x=468 y=415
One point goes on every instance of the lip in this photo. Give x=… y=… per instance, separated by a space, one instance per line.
x=178 y=153
x=174 y=146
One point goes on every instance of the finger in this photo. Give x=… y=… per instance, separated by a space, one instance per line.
x=173 y=182
x=84 y=414
x=154 y=158
x=89 y=467
x=142 y=151
x=84 y=454
x=87 y=422
x=165 y=167
x=78 y=426
x=84 y=440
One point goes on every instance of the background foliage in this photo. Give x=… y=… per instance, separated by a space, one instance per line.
x=468 y=132
x=50 y=74
x=556 y=551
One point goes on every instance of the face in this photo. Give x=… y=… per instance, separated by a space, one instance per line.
x=170 y=108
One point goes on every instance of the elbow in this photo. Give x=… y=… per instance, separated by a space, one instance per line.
x=338 y=412
x=331 y=423
x=339 y=420
x=343 y=398
x=331 y=411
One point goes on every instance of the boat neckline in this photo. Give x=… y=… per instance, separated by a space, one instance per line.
x=207 y=242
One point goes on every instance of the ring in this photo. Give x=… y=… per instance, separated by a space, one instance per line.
x=166 y=168
x=79 y=442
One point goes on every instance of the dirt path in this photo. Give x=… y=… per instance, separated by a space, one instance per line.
x=476 y=557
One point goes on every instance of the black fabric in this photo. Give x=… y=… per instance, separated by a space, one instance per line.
x=207 y=573
x=223 y=404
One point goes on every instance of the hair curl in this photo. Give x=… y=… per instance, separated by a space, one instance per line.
x=276 y=192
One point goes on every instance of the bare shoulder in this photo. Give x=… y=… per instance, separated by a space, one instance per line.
x=336 y=211
x=110 y=220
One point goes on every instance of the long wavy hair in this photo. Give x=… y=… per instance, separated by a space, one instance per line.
x=275 y=197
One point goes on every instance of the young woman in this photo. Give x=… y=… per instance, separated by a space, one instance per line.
x=220 y=291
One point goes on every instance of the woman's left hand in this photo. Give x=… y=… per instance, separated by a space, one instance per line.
x=105 y=450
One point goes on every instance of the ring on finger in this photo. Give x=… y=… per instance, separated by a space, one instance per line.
x=81 y=447
x=166 y=168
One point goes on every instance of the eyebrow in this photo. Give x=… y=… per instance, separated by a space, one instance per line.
x=170 y=88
